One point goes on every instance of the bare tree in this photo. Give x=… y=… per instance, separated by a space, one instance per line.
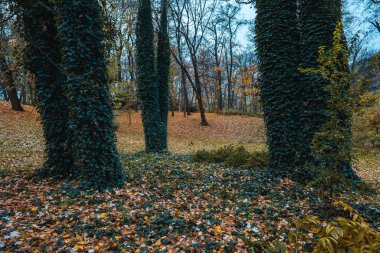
x=192 y=19
x=217 y=42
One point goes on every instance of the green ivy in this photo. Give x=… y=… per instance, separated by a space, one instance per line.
x=163 y=68
x=331 y=145
x=317 y=19
x=277 y=40
x=92 y=138
x=148 y=85
x=42 y=59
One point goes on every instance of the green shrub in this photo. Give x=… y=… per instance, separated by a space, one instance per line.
x=340 y=235
x=238 y=156
x=233 y=156
x=201 y=156
x=258 y=159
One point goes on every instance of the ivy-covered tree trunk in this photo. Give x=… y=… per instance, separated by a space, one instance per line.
x=317 y=23
x=278 y=52
x=148 y=85
x=92 y=137
x=43 y=58
x=163 y=68
x=318 y=20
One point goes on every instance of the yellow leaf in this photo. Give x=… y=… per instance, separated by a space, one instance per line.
x=27 y=235
x=34 y=209
x=158 y=243
x=80 y=247
x=218 y=229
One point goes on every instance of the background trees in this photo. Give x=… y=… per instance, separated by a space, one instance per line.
x=220 y=93
x=6 y=77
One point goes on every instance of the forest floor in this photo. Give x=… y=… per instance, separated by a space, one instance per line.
x=169 y=204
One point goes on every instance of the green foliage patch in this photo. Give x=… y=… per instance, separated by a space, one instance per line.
x=233 y=156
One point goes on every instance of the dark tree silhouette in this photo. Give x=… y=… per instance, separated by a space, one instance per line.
x=163 y=68
x=92 y=137
x=278 y=52
x=147 y=78
x=42 y=58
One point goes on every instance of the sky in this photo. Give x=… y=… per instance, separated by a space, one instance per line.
x=249 y=13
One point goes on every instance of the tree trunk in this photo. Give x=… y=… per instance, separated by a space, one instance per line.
x=4 y=91
x=93 y=140
x=198 y=92
x=119 y=63
x=163 y=72
x=147 y=79
x=218 y=76
x=10 y=85
x=186 y=107
x=172 y=105
x=42 y=52
x=219 y=91
x=277 y=40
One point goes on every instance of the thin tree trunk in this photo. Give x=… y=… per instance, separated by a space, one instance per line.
x=172 y=104
x=186 y=108
x=198 y=93
x=4 y=91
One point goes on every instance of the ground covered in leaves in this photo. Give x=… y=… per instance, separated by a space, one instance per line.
x=169 y=204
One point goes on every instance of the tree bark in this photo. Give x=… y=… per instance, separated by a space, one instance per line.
x=10 y=86
x=186 y=107
x=198 y=92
